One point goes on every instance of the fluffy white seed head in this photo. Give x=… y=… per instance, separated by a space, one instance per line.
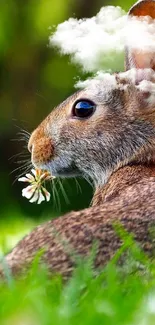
x=98 y=43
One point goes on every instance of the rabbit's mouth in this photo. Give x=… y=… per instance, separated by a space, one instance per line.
x=45 y=157
x=60 y=167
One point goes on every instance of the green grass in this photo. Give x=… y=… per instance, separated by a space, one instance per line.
x=117 y=294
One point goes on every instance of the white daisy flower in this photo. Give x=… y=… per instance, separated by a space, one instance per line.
x=36 y=192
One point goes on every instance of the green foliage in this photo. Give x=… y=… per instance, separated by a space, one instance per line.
x=34 y=78
x=115 y=295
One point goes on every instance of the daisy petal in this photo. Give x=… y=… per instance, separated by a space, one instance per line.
x=35 y=192
x=30 y=177
x=28 y=191
x=38 y=172
x=43 y=176
x=46 y=194
x=35 y=197
x=23 y=179
x=46 y=176
x=41 y=198
x=34 y=172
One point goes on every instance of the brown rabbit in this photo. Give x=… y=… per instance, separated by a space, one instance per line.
x=105 y=132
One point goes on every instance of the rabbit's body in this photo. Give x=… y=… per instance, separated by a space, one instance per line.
x=128 y=198
x=105 y=132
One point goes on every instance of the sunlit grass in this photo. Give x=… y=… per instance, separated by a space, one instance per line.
x=12 y=229
x=117 y=294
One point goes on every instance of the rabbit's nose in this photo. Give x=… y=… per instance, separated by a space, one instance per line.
x=35 y=137
x=41 y=147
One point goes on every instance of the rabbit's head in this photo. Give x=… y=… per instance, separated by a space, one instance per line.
x=108 y=124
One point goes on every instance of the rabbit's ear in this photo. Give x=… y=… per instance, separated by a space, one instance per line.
x=143 y=8
x=135 y=58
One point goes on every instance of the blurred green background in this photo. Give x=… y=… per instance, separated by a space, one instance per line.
x=34 y=79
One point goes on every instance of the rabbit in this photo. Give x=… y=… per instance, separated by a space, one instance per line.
x=106 y=133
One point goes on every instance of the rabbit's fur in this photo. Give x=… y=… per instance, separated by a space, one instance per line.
x=128 y=198
x=119 y=132
x=115 y=147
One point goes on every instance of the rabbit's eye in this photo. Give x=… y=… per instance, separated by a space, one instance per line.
x=83 y=109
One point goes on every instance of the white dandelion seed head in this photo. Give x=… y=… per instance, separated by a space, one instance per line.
x=99 y=43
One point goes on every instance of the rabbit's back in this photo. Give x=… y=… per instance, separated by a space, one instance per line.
x=75 y=233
